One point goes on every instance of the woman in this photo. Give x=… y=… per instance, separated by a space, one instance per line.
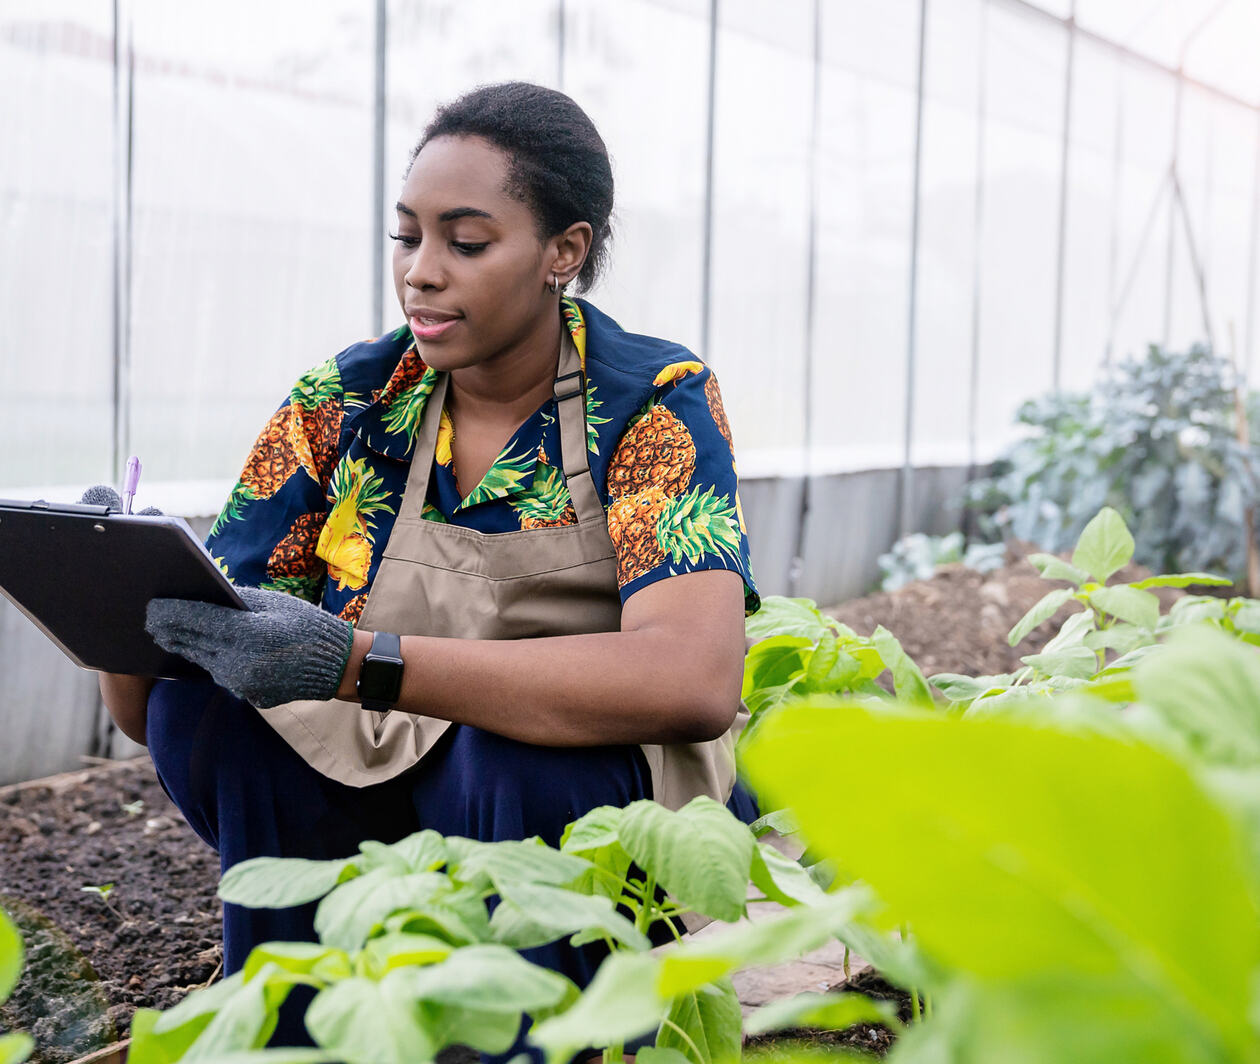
x=495 y=562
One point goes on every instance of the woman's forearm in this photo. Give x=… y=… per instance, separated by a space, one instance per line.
x=580 y=690
x=127 y=699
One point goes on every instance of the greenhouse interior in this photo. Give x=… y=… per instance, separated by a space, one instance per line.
x=979 y=281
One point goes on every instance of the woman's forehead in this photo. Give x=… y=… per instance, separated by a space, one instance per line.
x=465 y=174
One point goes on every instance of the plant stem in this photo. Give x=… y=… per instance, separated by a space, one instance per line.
x=696 y=1054
x=643 y=919
x=614 y=1054
x=846 y=964
x=914 y=1004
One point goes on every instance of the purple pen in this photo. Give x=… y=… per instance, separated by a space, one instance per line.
x=130 y=481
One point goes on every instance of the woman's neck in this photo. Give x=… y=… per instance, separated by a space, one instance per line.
x=509 y=387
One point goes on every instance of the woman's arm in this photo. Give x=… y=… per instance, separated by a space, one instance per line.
x=671 y=675
x=127 y=699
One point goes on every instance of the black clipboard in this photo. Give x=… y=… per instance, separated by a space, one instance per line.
x=84 y=575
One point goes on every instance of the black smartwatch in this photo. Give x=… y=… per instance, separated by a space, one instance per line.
x=380 y=673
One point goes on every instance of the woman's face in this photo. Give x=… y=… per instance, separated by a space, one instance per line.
x=469 y=268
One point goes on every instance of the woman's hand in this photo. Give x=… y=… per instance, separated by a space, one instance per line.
x=279 y=650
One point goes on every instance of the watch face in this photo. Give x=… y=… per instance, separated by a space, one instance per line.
x=380 y=680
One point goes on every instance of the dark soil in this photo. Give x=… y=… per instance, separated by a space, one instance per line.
x=89 y=965
x=958 y=620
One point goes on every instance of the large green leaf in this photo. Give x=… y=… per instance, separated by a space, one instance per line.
x=15 y=1047
x=594 y=837
x=1105 y=545
x=1183 y=580
x=769 y=941
x=278 y=882
x=386 y=952
x=830 y=1012
x=783 y=880
x=1068 y=853
x=1127 y=603
x=1207 y=687
x=1055 y=568
x=775 y=662
x=787 y=616
x=354 y=910
x=10 y=955
x=321 y=963
x=699 y=854
x=422 y=851
x=959 y=688
x=621 y=1002
x=370 y=1023
x=501 y=864
x=486 y=977
x=532 y=914
x=704 y=1024
x=908 y=679
x=1041 y=612
x=242 y=1018
x=1078 y=661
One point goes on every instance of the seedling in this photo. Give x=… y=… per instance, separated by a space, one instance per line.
x=103 y=891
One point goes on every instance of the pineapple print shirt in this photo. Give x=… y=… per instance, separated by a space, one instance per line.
x=317 y=498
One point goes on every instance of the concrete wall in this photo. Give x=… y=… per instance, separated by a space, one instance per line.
x=51 y=715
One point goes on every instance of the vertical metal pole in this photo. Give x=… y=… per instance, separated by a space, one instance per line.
x=973 y=392
x=1113 y=251
x=1249 y=333
x=1063 y=199
x=123 y=125
x=378 y=173
x=706 y=262
x=1172 y=206
x=907 y=470
x=561 y=33
x=811 y=287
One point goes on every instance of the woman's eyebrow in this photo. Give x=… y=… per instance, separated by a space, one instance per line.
x=447 y=216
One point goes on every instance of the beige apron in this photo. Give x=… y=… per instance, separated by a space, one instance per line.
x=437 y=579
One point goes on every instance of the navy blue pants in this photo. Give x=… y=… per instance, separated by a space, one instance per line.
x=246 y=792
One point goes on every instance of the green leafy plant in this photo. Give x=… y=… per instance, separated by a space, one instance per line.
x=410 y=958
x=103 y=891
x=1157 y=441
x=1080 y=893
x=15 y=1047
x=1096 y=646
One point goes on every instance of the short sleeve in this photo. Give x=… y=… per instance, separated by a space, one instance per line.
x=267 y=533
x=673 y=488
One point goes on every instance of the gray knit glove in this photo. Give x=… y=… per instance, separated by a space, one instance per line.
x=281 y=650
x=104 y=495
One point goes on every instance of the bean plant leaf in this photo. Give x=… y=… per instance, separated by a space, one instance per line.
x=279 y=882
x=1105 y=545
x=1194 y=608
x=352 y=912
x=1044 y=609
x=1079 y=662
x=398 y=948
x=318 y=962
x=779 y=820
x=620 y=1003
x=1206 y=686
x=487 y=978
x=1127 y=603
x=366 y=1021
x=959 y=688
x=232 y=1015
x=655 y=1055
x=699 y=854
x=594 y=837
x=704 y=1024
x=15 y=1047
x=1055 y=855
x=11 y=955
x=908 y=681
x=780 y=616
x=783 y=880
x=532 y=914
x=828 y=1012
x=1183 y=580
x=1055 y=568
x=498 y=864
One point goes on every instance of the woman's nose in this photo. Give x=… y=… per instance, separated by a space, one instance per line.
x=425 y=270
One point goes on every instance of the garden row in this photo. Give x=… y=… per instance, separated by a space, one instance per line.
x=1064 y=863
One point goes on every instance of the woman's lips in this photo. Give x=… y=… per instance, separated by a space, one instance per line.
x=431 y=330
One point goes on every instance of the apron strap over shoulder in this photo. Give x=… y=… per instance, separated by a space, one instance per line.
x=570 y=393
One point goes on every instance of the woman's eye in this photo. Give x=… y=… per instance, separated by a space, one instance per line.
x=468 y=249
x=406 y=241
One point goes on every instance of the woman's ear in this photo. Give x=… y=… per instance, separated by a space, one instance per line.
x=570 y=249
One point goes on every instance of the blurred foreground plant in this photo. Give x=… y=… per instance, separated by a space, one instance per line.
x=14 y=1047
